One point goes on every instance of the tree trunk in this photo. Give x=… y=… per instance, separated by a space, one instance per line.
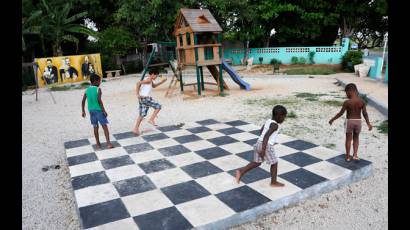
x=43 y=47
x=245 y=58
x=57 y=51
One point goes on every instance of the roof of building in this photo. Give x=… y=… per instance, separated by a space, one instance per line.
x=200 y=20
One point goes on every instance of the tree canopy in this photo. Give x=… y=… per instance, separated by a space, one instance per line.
x=126 y=24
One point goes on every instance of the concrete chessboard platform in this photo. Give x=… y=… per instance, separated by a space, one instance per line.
x=183 y=177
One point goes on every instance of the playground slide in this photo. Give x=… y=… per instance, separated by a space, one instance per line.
x=235 y=76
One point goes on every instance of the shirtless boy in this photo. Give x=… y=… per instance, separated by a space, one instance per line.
x=354 y=107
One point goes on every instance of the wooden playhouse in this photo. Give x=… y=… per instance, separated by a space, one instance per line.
x=199 y=44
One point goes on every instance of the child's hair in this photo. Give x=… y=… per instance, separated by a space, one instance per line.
x=48 y=59
x=279 y=110
x=153 y=71
x=350 y=87
x=94 y=78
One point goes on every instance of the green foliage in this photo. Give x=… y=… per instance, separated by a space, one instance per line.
x=383 y=127
x=351 y=58
x=275 y=61
x=311 y=70
x=333 y=103
x=302 y=60
x=116 y=41
x=312 y=57
x=294 y=60
x=58 y=26
x=133 y=67
x=364 y=98
x=27 y=74
x=291 y=114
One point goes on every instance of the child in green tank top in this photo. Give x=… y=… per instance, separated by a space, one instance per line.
x=96 y=109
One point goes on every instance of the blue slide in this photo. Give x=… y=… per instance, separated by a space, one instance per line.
x=235 y=76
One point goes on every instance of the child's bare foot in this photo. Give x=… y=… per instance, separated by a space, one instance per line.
x=347 y=158
x=238 y=176
x=110 y=146
x=356 y=158
x=277 y=184
x=136 y=132
x=152 y=122
x=98 y=146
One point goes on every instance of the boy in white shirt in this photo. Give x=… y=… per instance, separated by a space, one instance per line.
x=143 y=90
x=263 y=149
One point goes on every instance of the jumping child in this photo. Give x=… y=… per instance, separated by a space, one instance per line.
x=353 y=123
x=143 y=90
x=264 y=147
x=96 y=109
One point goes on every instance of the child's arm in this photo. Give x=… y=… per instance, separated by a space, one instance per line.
x=366 y=117
x=155 y=85
x=342 y=111
x=83 y=105
x=101 y=103
x=272 y=128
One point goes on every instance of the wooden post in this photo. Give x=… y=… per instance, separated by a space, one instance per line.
x=202 y=77
x=35 y=78
x=221 y=81
x=198 y=80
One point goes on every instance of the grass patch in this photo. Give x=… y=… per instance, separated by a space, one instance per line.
x=83 y=85
x=303 y=95
x=383 y=127
x=311 y=70
x=311 y=99
x=364 y=98
x=333 y=103
x=330 y=146
x=291 y=114
x=270 y=101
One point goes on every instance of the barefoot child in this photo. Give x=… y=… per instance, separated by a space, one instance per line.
x=263 y=149
x=143 y=90
x=96 y=109
x=353 y=123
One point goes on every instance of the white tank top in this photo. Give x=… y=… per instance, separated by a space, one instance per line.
x=272 y=138
x=145 y=89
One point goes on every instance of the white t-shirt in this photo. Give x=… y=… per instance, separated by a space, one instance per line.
x=145 y=89
x=272 y=138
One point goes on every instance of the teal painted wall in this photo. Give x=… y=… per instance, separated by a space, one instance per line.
x=376 y=69
x=323 y=54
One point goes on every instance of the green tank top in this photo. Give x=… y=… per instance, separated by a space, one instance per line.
x=92 y=98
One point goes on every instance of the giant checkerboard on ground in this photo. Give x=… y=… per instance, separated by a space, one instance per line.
x=183 y=177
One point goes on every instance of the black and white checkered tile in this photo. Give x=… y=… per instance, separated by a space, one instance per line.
x=182 y=178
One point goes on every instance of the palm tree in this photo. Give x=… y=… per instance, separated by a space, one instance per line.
x=29 y=27
x=57 y=27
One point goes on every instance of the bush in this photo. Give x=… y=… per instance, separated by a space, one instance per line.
x=133 y=67
x=294 y=60
x=383 y=127
x=312 y=57
x=351 y=58
x=27 y=77
x=275 y=61
x=302 y=60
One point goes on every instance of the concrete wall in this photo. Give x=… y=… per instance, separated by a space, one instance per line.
x=323 y=54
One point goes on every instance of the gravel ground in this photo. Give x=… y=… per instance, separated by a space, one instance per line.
x=48 y=201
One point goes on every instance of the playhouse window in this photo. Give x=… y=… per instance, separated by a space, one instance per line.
x=188 y=39
x=181 y=40
x=209 y=53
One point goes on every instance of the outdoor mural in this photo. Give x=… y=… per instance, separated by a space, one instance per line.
x=58 y=70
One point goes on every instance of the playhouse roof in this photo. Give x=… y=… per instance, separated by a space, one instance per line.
x=200 y=20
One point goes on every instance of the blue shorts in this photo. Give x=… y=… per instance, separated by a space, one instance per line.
x=97 y=116
x=145 y=103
